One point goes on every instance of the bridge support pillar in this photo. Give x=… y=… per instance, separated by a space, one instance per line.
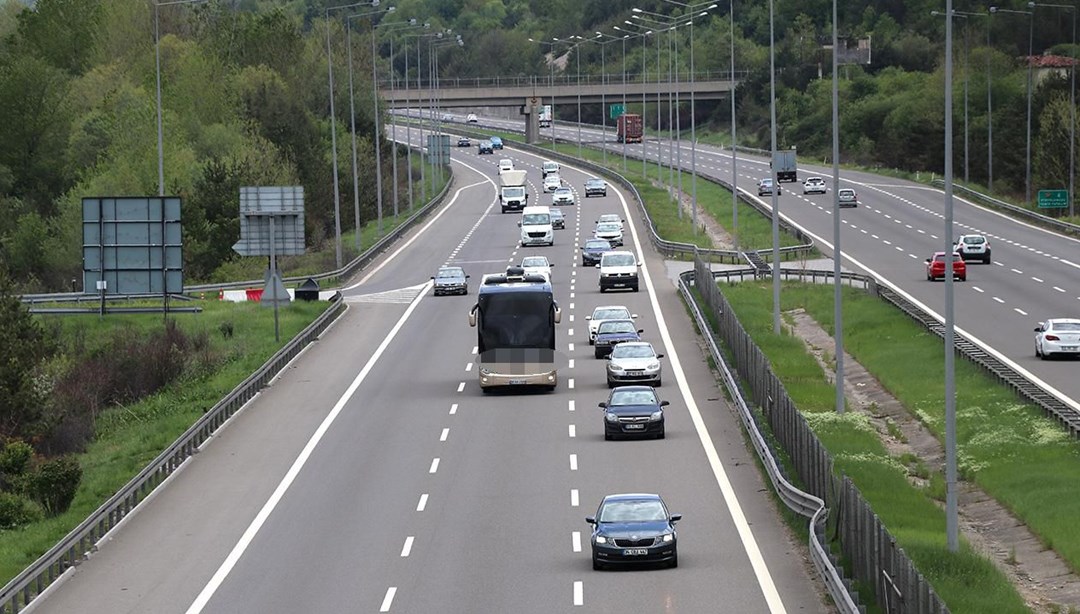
x=531 y=111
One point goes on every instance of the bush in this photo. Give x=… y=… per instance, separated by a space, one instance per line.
x=54 y=484
x=14 y=459
x=16 y=511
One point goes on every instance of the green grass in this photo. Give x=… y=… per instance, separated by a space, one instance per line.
x=1002 y=442
x=129 y=437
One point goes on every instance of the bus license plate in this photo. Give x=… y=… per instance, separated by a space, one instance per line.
x=636 y=552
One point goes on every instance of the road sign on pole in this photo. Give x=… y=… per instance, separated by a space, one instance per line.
x=615 y=110
x=1053 y=199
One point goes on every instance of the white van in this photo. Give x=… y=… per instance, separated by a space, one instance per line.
x=618 y=269
x=506 y=164
x=536 y=226
x=549 y=168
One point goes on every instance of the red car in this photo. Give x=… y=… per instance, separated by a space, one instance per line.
x=935 y=267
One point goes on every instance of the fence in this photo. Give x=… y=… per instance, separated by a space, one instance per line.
x=876 y=561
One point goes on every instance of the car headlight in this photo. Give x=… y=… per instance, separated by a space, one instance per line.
x=652 y=366
x=615 y=367
x=656 y=416
x=611 y=417
x=667 y=538
x=600 y=539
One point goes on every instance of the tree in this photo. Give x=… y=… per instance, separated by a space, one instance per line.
x=26 y=346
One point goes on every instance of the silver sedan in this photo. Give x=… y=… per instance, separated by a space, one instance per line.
x=634 y=362
x=1057 y=336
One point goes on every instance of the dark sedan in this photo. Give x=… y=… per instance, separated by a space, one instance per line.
x=451 y=280
x=633 y=411
x=593 y=250
x=612 y=332
x=595 y=187
x=464 y=142
x=634 y=529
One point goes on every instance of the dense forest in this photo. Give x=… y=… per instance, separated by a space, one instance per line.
x=246 y=101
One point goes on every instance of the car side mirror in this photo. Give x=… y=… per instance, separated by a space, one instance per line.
x=664 y=403
x=1038 y=329
x=519 y=224
x=640 y=330
x=659 y=356
x=598 y=266
x=633 y=315
x=588 y=317
x=676 y=517
x=602 y=404
x=551 y=264
x=433 y=277
x=590 y=519
x=928 y=260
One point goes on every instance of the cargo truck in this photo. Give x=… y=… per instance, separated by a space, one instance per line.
x=629 y=128
x=513 y=195
x=785 y=166
x=545 y=116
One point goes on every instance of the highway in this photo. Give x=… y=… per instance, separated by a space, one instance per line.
x=1034 y=274
x=373 y=475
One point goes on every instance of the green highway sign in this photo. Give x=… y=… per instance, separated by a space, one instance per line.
x=1053 y=199
x=615 y=110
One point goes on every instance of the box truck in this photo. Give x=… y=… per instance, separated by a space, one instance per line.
x=629 y=128
x=513 y=195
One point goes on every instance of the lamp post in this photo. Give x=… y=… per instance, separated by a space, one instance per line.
x=1072 y=99
x=643 y=79
x=989 y=103
x=333 y=128
x=964 y=16
x=603 y=82
x=950 y=355
x=659 y=159
x=157 y=71
x=772 y=172
x=405 y=25
x=734 y=149
x=352 y=121
x=551 y=79
x=408 y=126
x=435 y=46
x=1031 y=41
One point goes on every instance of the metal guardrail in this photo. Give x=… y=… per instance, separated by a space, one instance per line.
x=82 y=541
x=1027 y=214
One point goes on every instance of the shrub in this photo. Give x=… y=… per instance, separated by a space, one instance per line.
x=54 y=484
x=16 y=511
x=14 y=459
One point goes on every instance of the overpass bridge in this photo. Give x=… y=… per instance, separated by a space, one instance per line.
x=530 y=93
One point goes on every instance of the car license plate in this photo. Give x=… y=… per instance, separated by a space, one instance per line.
x=517 y=382
x=635 y=373
x=1068 y=348
x=635 y=552
x=635 y=426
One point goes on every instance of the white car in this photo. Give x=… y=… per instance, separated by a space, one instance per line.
x=634 y=362
x=552 y=182
x=505 y=164
x=1057 y=336
x=446 y=117
x=606 y=312
x=846 y=197
x=610 y=218
x=471 y=118
x=562 y=196
x=537 y=265
x=814 y=185
x=973 y=247
x=610 y=232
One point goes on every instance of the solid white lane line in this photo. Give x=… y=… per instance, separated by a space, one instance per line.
x=388 y=599
x=253 y=529
x=407 y=548
x=573 y=462
x=444 y=435
x=575 y=539
x=579 y=593
x=573 y=431
x=573 y=497
x=434 y=465
x=461 y=387
x=453 y=409
x=423 y=502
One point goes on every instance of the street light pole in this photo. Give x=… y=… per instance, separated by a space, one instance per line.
x=1072 y=101
x=644 y=74
x=950 y=324
x=734 y=149
x=772 y=172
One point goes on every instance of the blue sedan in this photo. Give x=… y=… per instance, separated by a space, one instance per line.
x=592 y=250
x=612 y=332
x=633 y=411
x=634 y=529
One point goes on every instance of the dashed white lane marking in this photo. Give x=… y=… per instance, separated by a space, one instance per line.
x=571 y=306
x=422 y=503
x=1058 y=289
x=1020 y=311
x=570 y=332
x=571 y=317
x=575 y=539
x=570 y=347
x=999 y=300
x=571 y=404
x=573 y=462
x=573 y=431
x=445 y=433
x=407 y=548
x=475 y=349
x=978 y=289
x=1017 y=271
x=573 y=497
x=434 y=465
x=570 y=383
x=571 y=362
x=468 y=367
x=461 y=387
x=579 y=593
x=388 y=599
x=453 y=409
x=1037 y=279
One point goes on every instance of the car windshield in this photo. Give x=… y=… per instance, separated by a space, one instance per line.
x=531 y=219
x=632 y=397
x=766 y=182
x=618 y=260
x=597 y=244
x=595 y=182
x=617 y=327
x=609 y=217
x=632 y=351
x=607 y=227
x=847 y=193
x=610 y=314
x=642 y=510
x=557 y=213
x=1065 y=325
x=552 y=179
x=974 y=240
x=563 y=192
x=534 y=261
x=450 y=274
